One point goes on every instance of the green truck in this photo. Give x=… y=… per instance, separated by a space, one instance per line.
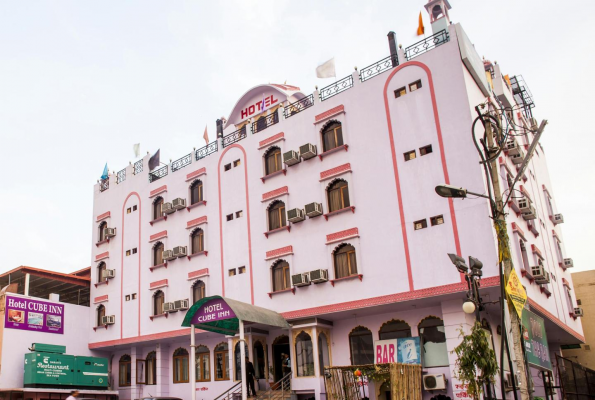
x=47 y=366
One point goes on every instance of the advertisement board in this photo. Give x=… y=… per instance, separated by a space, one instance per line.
x=34 y=315
x=403 y=350
x=536 y=347
x=213 y=310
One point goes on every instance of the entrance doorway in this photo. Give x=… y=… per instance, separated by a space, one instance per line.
x=280 y=347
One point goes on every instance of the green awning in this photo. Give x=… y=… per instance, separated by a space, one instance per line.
x=243 y=311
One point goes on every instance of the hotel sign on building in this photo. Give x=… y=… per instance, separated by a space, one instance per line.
x=34 y=315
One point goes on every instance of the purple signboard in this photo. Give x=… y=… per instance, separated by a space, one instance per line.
x=34 y=315
x=213 y=310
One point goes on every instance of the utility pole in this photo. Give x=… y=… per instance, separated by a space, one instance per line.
x=504 y=255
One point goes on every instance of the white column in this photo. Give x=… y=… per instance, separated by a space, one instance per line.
x=317 y=371
x=243 y=360
x=27 y=277
x=192 y=371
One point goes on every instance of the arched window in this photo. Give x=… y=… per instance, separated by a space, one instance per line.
x=272 y=160
x=277 y=215
x=238 y=359
x=261 y=123
x=158 y=253
x=101 y=272
x=345 y=263
x=181 y=365
x=332 y=136
x=259 y=360
x=158 y=300
x=324 y=357
x=433 y=340
x=196 y=192
x=361 y=346
x=394 y=329
x=100 y=314
x=338 y=195
x=157 y=203
x=304 y=355
x=221 y=359
x=198 y=241
x=203 y=364
x=281 y=279
x=102 y=226
x=125 y=370
x=198 y=291
x=151 y=368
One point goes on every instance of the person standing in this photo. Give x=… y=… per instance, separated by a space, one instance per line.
x=250 y=372
x=73 y=395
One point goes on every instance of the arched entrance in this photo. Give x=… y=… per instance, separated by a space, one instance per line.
x=280 y=347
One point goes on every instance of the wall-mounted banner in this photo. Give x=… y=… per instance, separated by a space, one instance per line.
x=536 y=348
x=214 y=310
x=34 y=315
x=409 y=350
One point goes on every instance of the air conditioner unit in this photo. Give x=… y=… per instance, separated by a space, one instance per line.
x=524 y=204
x=181 y=304
x=108 y=320
x=295 y=215
x=558 y=219
x=167 y=208
x=319 y=276
x=313 y=209
x=109 y=232
x=434 y=382
x=578 y=312
x=512 y=147
x=530 y=214
x=178 y=203
x=300 y=280
x=179 y=251
x=169 y=307
x=109 y=273
x=519 y=157
x=291 y=157
x=533 y=123
x=168 y=255
x=308 y=151
x=568 y=263
x=540 y=275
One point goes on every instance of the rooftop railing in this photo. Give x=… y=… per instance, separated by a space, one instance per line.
x=264 y=122
x=181 y=162
x=427 y=44
x=336 y=88
x=138 y=167
x=235 y=137
x=103 y=185
x=206 y=150
x=158 y=174
x=378 y=67
x=298 y=106
x=121 y=176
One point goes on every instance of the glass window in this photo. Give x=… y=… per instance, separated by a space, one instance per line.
x=158 y=300
x=345 y=263
x=181 y=365
x=281 y=279
x=332 y=136
x=324 y=359
x=102 y=226
x=361 y=346
x=157 y=208
x=261 y=124
x=125 y=371
x=100 y=314
x=272 y=161
x=158 y=253
x=277 y=215
x=304 y=355
x=203 y=364
x=221 y=359
x=394 y=329
x=151 y=368
x=259 y=360
x=338 y=196
x=198 y=241
x=433 y=340
x=198 y=291
x=101 y=272
x=196 y=192
x=237 y=359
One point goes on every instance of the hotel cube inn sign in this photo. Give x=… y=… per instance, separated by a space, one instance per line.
x=214 y=310
x=33 y=315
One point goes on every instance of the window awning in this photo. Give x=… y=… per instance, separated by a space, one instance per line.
x=222 y=315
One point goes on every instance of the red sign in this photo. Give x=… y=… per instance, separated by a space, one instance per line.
x=386 y=351
x=258 y=106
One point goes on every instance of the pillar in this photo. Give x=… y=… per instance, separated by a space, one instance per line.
x=317 y=371
x=163 y=363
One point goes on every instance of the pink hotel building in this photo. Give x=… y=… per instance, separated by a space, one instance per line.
x=322 y=207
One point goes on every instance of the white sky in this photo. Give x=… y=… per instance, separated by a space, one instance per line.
x=81 y=81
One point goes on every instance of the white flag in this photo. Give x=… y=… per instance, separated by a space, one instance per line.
x=136 y=148
x=326 y=70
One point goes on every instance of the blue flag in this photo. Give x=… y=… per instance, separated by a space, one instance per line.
x=105 y=174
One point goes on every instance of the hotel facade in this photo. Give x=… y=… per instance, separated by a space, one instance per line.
x=321 y=206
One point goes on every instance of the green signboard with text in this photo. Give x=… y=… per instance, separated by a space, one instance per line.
x=536 y=347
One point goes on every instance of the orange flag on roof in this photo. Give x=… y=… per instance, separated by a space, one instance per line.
x=420 y=27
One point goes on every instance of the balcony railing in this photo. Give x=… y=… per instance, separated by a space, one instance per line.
x=378 y=67
x=121 y=176
x=103 y=185
x=234 y=137
x=138 y=167
x=264 y=122
x=205 y=151
x=299 y=106
x=427 y=44
x=181 y=162
x=336 y=88
x=158 y=174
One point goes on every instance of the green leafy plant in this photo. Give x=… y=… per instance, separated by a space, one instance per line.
x=476 y=362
